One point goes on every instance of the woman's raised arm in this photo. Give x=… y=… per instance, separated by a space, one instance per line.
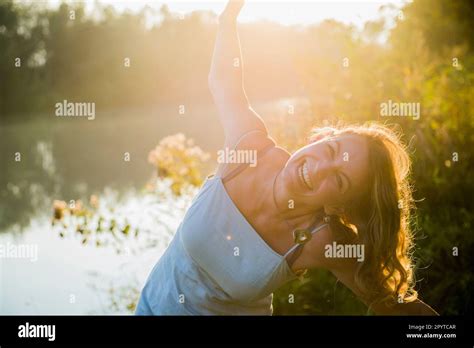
x=226 y=78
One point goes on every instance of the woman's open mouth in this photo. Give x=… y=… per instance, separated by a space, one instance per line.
x=303 y=173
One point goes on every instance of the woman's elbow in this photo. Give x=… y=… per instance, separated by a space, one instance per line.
x=225 y=87
x=218 y=81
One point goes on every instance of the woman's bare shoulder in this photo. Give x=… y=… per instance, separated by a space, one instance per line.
x=243 y=149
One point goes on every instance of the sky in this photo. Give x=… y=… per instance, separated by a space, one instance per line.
x=285 y=12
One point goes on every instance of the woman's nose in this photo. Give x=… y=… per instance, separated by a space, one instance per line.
x=323 y=168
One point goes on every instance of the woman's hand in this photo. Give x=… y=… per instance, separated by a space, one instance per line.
x=232 y=10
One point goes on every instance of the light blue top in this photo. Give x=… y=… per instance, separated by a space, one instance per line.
x=216 y=264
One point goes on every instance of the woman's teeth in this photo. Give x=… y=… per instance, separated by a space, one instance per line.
x=304 y=175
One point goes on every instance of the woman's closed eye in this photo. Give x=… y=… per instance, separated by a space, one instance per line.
x=337 y=176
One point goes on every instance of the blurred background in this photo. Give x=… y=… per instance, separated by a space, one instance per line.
x=101 y=199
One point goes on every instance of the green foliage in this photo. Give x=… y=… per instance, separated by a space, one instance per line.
x=113 y=60
x=319 y=293
x=430 y=61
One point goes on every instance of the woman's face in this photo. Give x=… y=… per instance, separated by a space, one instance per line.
x=327 y=173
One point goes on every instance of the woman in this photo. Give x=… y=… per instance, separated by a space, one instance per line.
x=253 y=228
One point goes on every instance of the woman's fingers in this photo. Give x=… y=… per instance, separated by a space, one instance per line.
x=232 y=9
x=234 y=6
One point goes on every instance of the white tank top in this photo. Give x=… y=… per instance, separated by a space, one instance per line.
x=216 y=263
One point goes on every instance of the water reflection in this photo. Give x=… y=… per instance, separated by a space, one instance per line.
x=28 y=184
x=72 y=277
x=127 y=229
x=70 y=159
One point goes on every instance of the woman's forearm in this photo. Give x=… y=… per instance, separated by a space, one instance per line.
x=345 y=273
x=226 y=79
x=416 y=307
x=226 y=73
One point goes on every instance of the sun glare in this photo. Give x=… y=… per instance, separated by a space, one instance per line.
x=301 y=12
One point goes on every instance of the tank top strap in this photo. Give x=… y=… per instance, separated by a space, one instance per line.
x=241 y=167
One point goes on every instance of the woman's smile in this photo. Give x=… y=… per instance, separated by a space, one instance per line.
x=303 y=174
x=300 y=176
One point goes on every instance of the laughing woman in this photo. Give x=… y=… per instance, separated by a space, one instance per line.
x=252 y=229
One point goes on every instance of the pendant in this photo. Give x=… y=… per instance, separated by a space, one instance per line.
x=301 y=273
x=301 y=236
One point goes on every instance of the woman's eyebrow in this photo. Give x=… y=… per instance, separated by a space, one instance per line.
x=338 y=145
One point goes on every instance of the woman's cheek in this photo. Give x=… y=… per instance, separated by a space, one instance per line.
x=323 y=191
x=328 y=192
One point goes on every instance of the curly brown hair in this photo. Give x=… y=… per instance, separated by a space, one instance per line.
x=381 y=216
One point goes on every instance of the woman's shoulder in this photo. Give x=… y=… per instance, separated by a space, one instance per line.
x=244 y=149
